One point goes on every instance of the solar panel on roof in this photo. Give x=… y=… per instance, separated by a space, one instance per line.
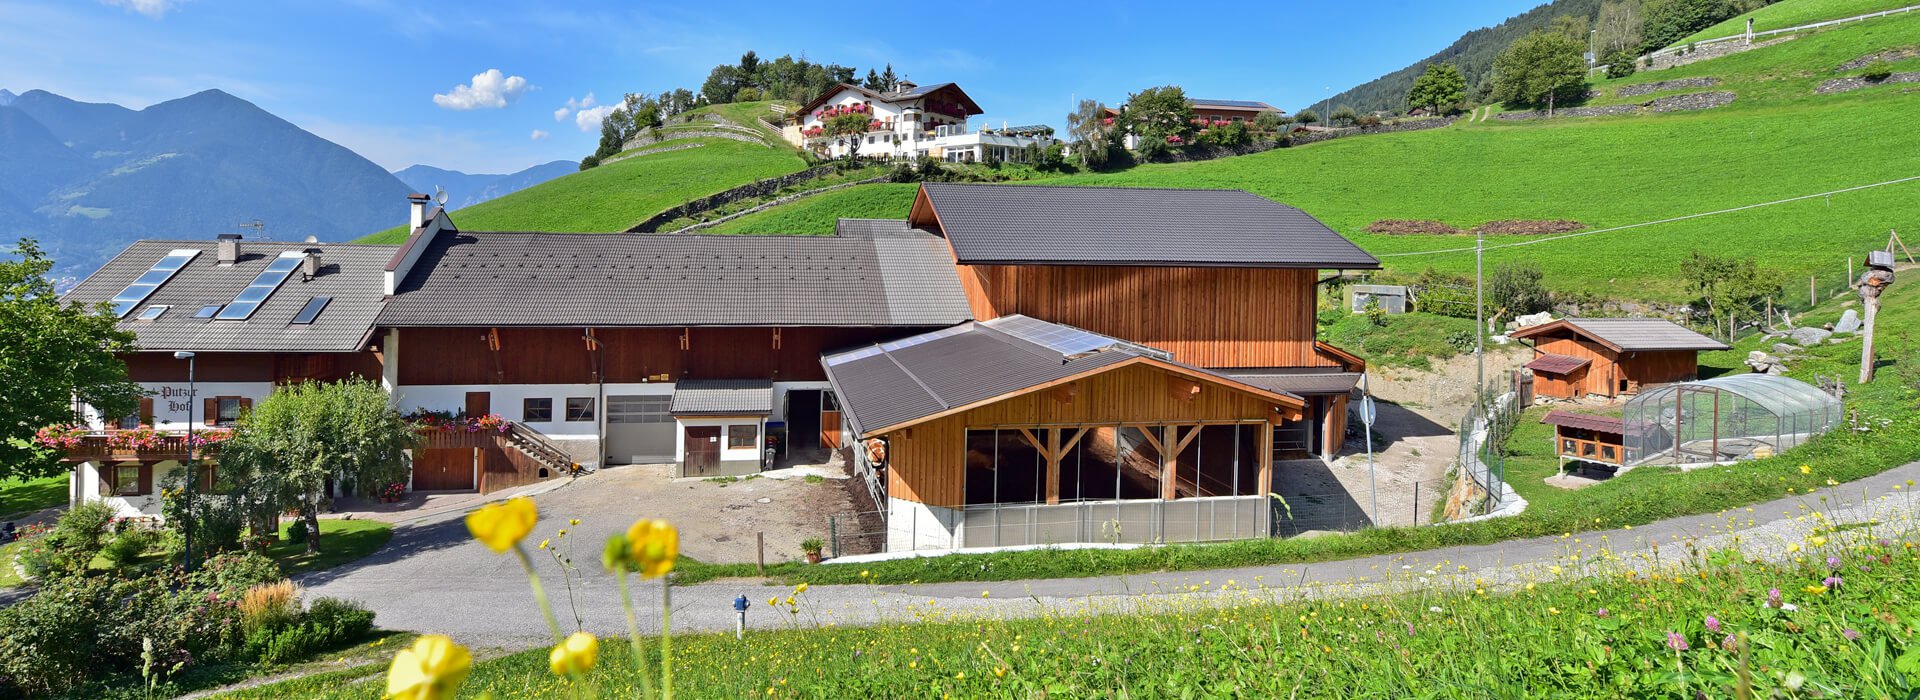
x=1066 y=340
x=151 y=280
x=261 y=287
x=311 y=310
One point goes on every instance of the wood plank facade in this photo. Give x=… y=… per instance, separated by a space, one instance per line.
x=483 y=356
x=1609 y=373
x=1205 y=316
x=930 y=458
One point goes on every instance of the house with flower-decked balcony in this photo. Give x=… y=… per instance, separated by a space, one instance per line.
x=908 y=123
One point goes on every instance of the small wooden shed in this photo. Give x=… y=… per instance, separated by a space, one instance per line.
x=1610 y=357
x=1584 y=437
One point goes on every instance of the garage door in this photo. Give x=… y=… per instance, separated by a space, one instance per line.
x=443 y=469
x=639 y=429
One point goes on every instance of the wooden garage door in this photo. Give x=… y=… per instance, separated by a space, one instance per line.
x=443 y=469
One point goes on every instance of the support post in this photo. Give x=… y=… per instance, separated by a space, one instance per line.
x=1870 y=308
x=760 y=548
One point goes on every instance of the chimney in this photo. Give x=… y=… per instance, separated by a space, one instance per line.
x=229 y=248
x=310 y=265
x=419 y=210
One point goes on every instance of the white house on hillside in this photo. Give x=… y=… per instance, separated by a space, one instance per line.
x=909 y=123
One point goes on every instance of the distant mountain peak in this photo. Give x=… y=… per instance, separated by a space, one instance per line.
x=6 y=97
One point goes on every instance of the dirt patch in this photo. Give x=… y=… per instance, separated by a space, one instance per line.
x=1406 y=226
x=1442 y=394
x=1529 y=227
x=1889 y=55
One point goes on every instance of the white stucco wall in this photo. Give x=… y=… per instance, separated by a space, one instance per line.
x=86 y=483
x=171 y=402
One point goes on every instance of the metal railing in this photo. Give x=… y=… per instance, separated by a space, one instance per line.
x=1785 y=30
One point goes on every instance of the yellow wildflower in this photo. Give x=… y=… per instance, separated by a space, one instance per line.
x=575 y=655
x=802 y=588
x=500 y=526
x=1818 y=541
x=653 y=545
x=431 y=669
x=1806 y=469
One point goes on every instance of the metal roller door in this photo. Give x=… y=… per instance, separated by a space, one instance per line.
x=639 y=429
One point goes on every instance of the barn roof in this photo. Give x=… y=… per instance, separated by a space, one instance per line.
x=1557 y=364
x=1039 y=225
x=1628 y=334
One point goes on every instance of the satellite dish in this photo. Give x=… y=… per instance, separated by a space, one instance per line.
x=440 y=196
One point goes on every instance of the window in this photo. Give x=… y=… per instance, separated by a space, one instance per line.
x=579 y=409
x=640 y=409
x=536 y=410
x=311 y=310
x=226 y=410
x=208 y=311
x=126 y=480
x=128 y=422
x=153 y=312
x=743 y=437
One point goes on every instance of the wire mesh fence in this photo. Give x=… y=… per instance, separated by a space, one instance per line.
x=1484 y=430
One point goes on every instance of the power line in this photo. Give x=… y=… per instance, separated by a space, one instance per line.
x=1661 y=221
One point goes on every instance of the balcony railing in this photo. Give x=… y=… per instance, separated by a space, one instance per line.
x=115 y=445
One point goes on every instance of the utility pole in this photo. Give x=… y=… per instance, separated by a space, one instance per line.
x=192 y=468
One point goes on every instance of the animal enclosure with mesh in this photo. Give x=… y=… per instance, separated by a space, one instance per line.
x=1724 y=419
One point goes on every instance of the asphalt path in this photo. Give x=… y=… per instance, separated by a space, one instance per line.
x=433 y=577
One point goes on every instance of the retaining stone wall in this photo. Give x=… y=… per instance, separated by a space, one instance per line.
x=1705 y=52
x=1649 y=88
x=758 y=188
x=1672 y=103
x=1839 y=85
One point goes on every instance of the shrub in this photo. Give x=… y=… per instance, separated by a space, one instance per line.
x=1621 y=63
x=47 y=641
x=1461 y=340
x=216 y=523
x=1516 y=287
x=1877 y=71
x=297 y=530
x=267 y=607
x=232 y=573
x=1228 y=135
x=330 y=623
x=1367 y=120
x=77 y=536
x=127 y=546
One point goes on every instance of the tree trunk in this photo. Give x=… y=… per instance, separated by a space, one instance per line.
x=312 y=516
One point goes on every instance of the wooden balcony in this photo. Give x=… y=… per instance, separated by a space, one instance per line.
x=107 y=447
x=434 y=439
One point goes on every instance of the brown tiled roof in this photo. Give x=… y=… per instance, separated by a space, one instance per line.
x=1585 y=421
x=1557 y=364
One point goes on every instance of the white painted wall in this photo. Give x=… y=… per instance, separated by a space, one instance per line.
x=85 y=482
x=912 y=526
x=506 y=400
x=171 y=402
x=727 y=454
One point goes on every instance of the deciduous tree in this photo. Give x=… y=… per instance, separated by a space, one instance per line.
x=1617 y=27
x=1439 y=89
x=1540 y=69
x=52 y=354
x=1731 y=288
x=1096 y=134
x=300 y=435
x=1158 y=114
x=850 y=126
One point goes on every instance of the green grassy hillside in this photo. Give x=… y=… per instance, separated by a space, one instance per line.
x=1793 y=13
x=620 y=194
x=1778 y=140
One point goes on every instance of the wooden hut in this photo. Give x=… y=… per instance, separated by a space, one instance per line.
x=1610 y=357
x=1581 y=437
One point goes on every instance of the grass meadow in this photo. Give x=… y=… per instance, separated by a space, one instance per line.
x=1794 y=13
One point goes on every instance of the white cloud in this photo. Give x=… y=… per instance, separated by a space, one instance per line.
x=589 y=119
x=539 y=134
x=573 y=104
x=151 y=8
x=489 y=90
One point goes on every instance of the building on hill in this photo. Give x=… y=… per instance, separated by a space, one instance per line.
x=1231 y=110
x=1610 y=357
x=909 y=123
x=1060 y=357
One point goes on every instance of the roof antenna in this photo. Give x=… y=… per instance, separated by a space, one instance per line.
x=259 y=228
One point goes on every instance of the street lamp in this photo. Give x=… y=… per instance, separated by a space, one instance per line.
x=186 y=529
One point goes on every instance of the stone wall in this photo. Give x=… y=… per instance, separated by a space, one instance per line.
x=1704 y=52
x=651 y=151
x=1658 y=86
x=1838 y=85
x=758 y=188
x=653 y=136
x=1671 y=103
x=789 y=199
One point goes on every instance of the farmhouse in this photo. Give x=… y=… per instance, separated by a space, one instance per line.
x=1073 y=356
x=910 y=122
x=1231 y=110
x=1611 y=357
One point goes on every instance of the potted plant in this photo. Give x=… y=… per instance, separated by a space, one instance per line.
x=812 y=546
x=392 y=492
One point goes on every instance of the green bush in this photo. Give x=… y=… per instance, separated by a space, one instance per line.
x=126 y=547
x=1621 y=63
x=232 y=573
x=47 y=641
x=297 y=531
x=1877 y=71
x=76 y=537
x=329 y=623
x=1516 y=288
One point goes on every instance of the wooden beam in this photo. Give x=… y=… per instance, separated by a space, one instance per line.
x=1146 y=431
x=1053 y=466
x=1034 y=441
x=1075 y=440
x=1181 y=446
x=1167 y=461
x=1266 y=461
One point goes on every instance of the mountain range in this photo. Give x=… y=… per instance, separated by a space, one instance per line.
x=85 y=179
x=465 y=189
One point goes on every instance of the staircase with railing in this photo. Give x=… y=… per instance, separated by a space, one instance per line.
x=536 y=446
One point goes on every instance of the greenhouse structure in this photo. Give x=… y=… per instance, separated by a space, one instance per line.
x=1724 y=419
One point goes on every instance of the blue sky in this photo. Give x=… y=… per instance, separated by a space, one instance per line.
x=412 y=82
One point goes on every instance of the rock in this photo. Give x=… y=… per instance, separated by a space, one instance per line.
x=1784 y=349
x=1764 y=363
x=1849 y=322
x=1531 y=320
x=1810 y=336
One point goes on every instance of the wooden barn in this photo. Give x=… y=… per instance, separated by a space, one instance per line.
x=1611 y=357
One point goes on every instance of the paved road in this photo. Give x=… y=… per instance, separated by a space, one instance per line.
x=433 y=577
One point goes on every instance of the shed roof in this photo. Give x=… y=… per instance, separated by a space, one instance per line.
x=1043 y=225
x=1585 y=421
x=350 y=274
x=864 y=275
x=1629 y=334
x=1234 y=104
x=1557 y=364
x=1303 y=381
x=895 y=384
x=722 y=397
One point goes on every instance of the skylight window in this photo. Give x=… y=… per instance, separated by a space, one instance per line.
x=154 y=312
x=262 y=286
x=311 y=310
x=127 y=299
x=208 y=311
